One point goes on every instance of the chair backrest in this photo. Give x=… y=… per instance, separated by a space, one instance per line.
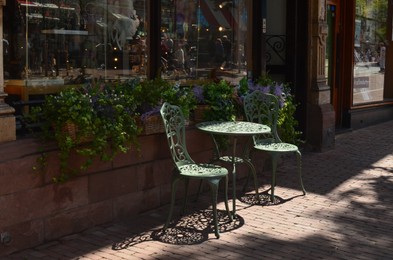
x=174 y=123
x=263 y=108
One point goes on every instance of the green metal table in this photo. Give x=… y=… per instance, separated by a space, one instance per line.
x=234 y=129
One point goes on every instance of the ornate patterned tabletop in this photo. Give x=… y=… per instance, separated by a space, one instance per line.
x=237 y=128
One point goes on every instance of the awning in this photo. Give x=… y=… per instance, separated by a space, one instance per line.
x=216 y=16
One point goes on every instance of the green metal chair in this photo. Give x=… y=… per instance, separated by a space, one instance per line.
x=185 y=168
x=263 y=108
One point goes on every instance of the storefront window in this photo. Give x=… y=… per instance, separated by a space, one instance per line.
x=201 y=38
x=67 y=42
x=369 y=51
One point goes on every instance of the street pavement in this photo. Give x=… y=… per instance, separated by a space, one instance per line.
x=346 y=214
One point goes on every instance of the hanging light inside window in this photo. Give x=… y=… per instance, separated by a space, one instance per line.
x=223 y=4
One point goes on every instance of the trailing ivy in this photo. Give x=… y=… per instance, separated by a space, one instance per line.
x=102 y=121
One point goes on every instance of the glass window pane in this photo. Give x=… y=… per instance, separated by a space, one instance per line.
x=70 y=42
x=369 y=51
x=203 y=37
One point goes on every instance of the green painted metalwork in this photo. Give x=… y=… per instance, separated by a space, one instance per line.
x=235 y=129
x=263 y=108
x=185 y=168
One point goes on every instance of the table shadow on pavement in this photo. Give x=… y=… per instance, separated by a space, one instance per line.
x=187 y=230
x=264 y=199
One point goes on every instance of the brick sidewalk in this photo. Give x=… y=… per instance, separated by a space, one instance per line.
x=347 y=214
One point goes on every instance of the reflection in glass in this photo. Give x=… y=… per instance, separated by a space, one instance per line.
x=369 y=51
x=330 y=43
x=73 y=41
x=203 y=37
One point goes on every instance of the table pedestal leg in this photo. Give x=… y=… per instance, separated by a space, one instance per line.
x=234 y=178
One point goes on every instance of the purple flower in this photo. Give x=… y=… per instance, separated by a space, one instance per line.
x=278 y=90
x=198 y=93
x=152 y=112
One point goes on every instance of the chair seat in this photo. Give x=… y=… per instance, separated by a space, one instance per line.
x=229 y=159
x=276 y=147
x=203 y=170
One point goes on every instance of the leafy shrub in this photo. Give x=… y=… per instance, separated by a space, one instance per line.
x=287 y=123
x=102 y=117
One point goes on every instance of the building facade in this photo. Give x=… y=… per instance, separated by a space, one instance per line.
x=335 y=54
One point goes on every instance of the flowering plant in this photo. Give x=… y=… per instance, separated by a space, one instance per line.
x=286 y=122
x=151 y=94
x=180 y=96
x=198 y=94
x=265 y=86
x=103 y=119
x=219 y=96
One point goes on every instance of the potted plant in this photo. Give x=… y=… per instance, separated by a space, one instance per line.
x=218 y=100
x=180 y=96
x=97 y=120
x=201 y=107
x=152 y=94
x=287 y=123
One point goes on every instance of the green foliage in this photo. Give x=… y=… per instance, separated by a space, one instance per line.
x=265 y=80
x=180 y=96
x=104 y=120
x=151 y=94
x=104 y=116
x=287 y=123
x=220 y=98
x=243 y=88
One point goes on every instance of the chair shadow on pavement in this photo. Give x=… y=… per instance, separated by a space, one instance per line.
x=264 y=199
x=187 y=230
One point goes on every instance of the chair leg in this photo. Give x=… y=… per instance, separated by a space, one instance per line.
x=274 y=168
x=299 y=163
x=173 y=197
x=214 y=191
x=199 y=190
x=247 y=181
x=254 y=173
x=186 y=182
x=226 y=199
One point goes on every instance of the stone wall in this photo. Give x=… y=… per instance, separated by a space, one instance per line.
x=34 y=210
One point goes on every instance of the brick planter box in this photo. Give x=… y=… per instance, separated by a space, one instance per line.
x=34 y=210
